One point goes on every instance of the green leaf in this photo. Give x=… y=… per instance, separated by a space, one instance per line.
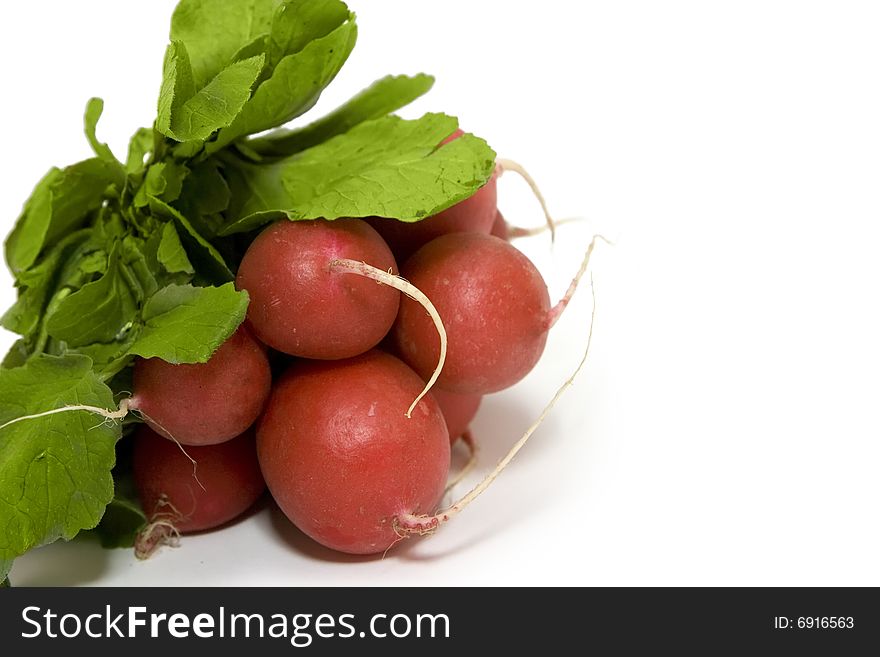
x=187 y=150
x=388 y=167
x=214 y=31
x=136 y=270
x=37 y=284
x=24 y=243
x=252 y=49
x=178 y=85
x=97 y=312
x=294 y=88
x=140 y=145
x=164 y=180
x=94 y=109
x=174 y=174
x=108 y=358
x=61 y=202
x=381 y=98
x=206 y=190
x=54 y=471
x=123 y=518
x=257 y=195
x=122 y=521
x=186 y=324
x=298 y=22
x=171 y=253
x=16 y=356
x=202 y=254
x=191 y=113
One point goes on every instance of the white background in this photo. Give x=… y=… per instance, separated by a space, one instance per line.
x=725 y=430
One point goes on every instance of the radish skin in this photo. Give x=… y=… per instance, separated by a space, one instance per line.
x=192 y=404
x=300 y=306
x=229 y=482
x=340 y=458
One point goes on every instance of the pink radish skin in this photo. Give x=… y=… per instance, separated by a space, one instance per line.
x=204 y=403
x=458 y=410
x=225 y=483
x=494 y=304
x=500 y=228
x=340 y=458
x=302 y=308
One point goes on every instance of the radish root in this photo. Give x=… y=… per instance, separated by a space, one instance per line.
x=164 y=432
x=556 y=311
x=160 y=531
x=363 y=269
x=515 y=232
x=509 y=165
x=421 y=525
x=118 y=414
x=126 y=406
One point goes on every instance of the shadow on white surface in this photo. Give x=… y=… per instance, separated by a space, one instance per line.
x=412 y=549
x=296 y=540
x=84 y=562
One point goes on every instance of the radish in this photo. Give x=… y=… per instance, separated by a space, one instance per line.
x=458 y=410
x=476 y=214
x=191 y=403
x=342 y=460
x=302 y=307
x=500 y=228
x=495 y=307
x=178 y=499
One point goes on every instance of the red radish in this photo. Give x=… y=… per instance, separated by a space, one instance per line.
x=458 y=410
x=177 y=498
x=204 y=403
x=494 y=305
x=500 y=228
x=340 y=457
x=300 y=306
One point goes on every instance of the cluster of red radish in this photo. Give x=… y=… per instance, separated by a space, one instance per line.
x=352 y=446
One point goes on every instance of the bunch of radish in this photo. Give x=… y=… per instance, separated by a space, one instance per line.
x=383 y=337
x=316 y=309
